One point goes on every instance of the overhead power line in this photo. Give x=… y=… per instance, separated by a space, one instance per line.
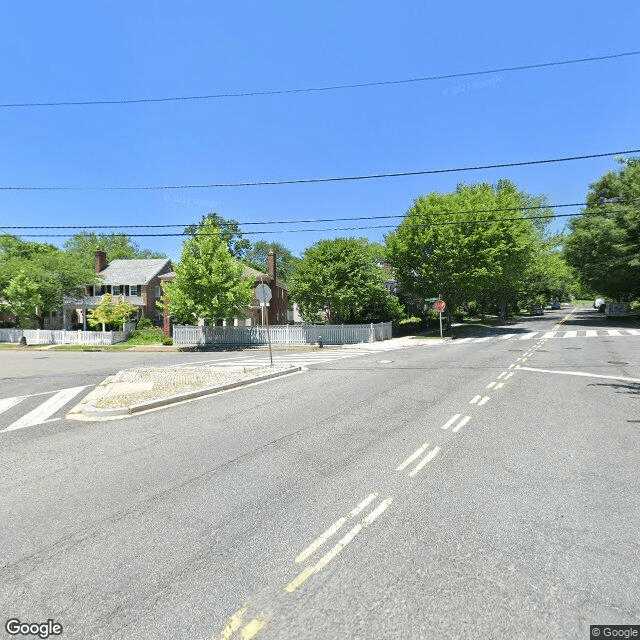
x=373 y=176
x=335 y=87
x=311 y=221
x=382 y=226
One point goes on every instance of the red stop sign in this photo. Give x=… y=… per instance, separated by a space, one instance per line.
x=440 y=305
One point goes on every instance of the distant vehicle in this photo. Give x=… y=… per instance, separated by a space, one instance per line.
x=537 y=311
x=599 y=304
x=555 y=305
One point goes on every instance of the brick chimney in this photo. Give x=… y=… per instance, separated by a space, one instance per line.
x=101 y=260
x=271 y=264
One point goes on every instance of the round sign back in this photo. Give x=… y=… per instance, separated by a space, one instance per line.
x=440 y=305
x=263 y=293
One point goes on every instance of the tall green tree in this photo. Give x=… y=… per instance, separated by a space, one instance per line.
x=256 y=257
x=445 y=246
x=604 y=244
x=338 y=281
x=118 y=247
x=22 y=299
x=230 y=231
x=54 y=273
x=209 y=280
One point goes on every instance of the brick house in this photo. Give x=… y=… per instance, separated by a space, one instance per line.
x=137 y=281
x=278 y=305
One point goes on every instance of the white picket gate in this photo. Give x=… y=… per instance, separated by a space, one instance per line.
x=52 y=336
x=282 y=334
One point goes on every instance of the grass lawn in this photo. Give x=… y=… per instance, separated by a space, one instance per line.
x=580 y=303
x=16 y=345
x=89 y=347
x=136 y=338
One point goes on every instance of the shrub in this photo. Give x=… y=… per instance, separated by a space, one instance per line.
x=144 y=323
x=410 y=325
x=146 y=337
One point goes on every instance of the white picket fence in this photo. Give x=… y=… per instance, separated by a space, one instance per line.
x=50 y=336
x=286 y=334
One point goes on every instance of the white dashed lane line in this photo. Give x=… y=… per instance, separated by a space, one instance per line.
x=336 y=526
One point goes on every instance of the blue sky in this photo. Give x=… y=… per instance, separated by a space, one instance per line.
x=93 y=51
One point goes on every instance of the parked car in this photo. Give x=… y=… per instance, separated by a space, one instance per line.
x=555 y=305
x=537 y=311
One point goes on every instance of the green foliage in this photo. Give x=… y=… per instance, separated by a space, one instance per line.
x=604 y=244
x=110 y=312
x=144 y=323
x=209 y=280
x=548 y=277
x=21 y=298
x=256 y=257
x=118 y=247
x=442 y=247
x=229 y=230
x=54 y=272
x=148 y=336
x=337 y=281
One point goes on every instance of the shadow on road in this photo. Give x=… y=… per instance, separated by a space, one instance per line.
x=632 y=388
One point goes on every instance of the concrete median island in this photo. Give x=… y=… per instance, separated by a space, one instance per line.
x=133 y=390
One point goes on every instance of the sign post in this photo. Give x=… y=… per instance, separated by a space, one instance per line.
x=440 y=307
x=263 y=294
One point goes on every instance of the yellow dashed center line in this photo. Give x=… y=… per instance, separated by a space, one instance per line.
x=252 y=629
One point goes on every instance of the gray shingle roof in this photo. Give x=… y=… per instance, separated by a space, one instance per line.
x=133 y=271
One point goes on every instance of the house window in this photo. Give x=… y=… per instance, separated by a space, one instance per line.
x=116 y=289
x=157 y=292
x=134 y=289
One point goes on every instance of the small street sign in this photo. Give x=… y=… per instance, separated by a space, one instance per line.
x=440 y=305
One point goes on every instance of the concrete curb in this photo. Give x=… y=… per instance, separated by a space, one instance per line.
x=88 y=408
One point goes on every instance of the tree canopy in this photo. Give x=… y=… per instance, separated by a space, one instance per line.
x=446 y=246
x=22 y=299
x=209 y=280
x=229 y=229
x=118 y=247
x=256 y=257
x=52 y=272
x=338 y=281
x=604 y=244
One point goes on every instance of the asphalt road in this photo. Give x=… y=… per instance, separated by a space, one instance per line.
x=334 y=503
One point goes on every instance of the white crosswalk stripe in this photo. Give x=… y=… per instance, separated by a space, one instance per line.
x=43 y=412
x=7 y=403
x=573 y=333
